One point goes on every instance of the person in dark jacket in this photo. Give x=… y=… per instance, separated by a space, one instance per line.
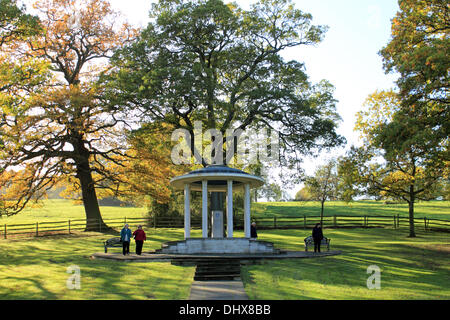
x=139 y=237
x=125 y=237
x=317 y=236
x=253 y=233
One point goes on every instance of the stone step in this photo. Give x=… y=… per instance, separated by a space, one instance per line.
x=225 y=263
x=218 y=261
x=217 y=269
x=217 y=273
x=266 y=243
x=217 y=277
x=171 y=243
x=213 y=270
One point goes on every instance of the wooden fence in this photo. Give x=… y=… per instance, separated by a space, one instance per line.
x=348 y=221
x=267 y=222
x=62 y=227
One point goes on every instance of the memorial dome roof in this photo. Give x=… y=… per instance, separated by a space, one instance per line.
x=217 y=177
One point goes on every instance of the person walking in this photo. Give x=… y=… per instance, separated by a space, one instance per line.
x=253 y=233
x=125 y=236
x=139 y=237
x=317 y=236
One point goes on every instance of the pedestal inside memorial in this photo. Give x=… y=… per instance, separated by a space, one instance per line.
x=217 y=224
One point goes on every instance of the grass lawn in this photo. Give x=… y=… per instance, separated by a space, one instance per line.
x=429 y=209
x=59 y=209
x=411 y=268
x=62 y=210
x=36 y=268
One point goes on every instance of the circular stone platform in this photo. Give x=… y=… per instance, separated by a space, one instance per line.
x=161 y=257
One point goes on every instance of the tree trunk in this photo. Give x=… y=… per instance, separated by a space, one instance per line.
x=412 y=233
x=321 y=212
x=94 y=221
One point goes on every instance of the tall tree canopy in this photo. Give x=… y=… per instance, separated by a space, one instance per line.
x=217 y=63
x=15 y=75
x=398 y=158
x=408 y=129
x=15 y=24
x=64 y=127
x=420 y=51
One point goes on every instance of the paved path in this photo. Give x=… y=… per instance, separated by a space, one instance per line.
x=218 y=290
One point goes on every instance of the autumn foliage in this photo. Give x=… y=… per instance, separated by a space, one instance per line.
x=56 y=127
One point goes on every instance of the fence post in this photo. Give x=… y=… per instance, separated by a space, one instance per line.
x=274 y=222
x=395 y=225
x=398 y=221
x=304 y=221
x=69 y=226
x=334 y=220
x=37 y=229
x=5 y=231
x=425 y=222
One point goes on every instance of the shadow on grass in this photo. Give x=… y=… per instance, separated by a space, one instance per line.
x=37 y=269
x=410 y=269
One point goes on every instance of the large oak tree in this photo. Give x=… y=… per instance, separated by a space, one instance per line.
x=64 y=129
x=222 y=65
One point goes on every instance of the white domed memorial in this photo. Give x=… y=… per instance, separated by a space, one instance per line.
x=211 y=181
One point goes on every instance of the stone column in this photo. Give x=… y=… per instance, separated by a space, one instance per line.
x=187 y=211
x=205 y=209
x=230 y=209
x=247 y=210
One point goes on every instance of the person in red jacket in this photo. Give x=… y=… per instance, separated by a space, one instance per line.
x=139 y=237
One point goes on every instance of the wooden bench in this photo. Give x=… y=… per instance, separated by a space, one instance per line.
x=112 y=243
x=310 y=242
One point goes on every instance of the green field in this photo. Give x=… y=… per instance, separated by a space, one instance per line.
x=59 y=209
x=429 y=209
x=411 y=268
x=37 y=269
x=54 y=210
